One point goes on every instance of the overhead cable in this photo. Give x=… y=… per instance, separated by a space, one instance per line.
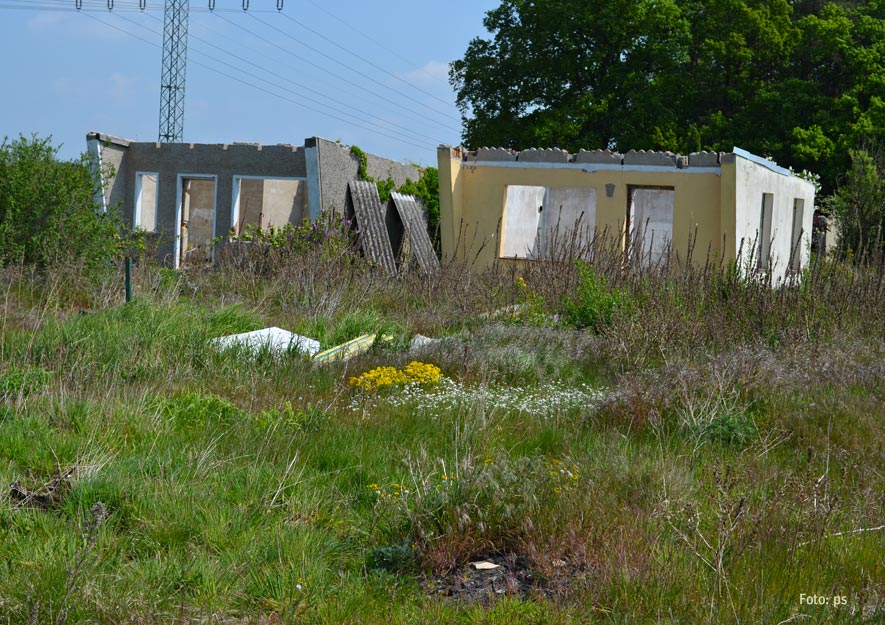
x=254 y=86
x=372 y=120
x=346 y=66
x=362 y=58
x=375 y=93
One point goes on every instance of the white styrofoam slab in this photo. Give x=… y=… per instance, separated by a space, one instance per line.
x=276 y=340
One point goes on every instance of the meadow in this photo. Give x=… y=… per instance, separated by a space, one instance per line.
x=677 y=445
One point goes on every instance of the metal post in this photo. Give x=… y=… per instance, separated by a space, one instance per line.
x=128 y=279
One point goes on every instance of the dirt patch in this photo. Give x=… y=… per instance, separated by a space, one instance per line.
x=505 y=575
x=47 y=496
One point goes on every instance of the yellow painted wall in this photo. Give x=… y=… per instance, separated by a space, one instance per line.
x=473 y=194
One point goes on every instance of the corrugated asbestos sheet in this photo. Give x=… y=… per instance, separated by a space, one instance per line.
x=369 y=213
x=412 y=215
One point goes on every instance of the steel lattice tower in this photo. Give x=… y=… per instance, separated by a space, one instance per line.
x=174 y=71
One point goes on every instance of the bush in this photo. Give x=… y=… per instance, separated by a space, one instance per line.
x=859 y=203
x=48 y=209
x=594 y=304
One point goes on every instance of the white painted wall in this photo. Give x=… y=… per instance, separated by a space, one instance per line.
x=754 y=179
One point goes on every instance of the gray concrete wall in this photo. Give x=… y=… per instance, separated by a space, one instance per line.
x=338 y=166
x=280 y=201
x=224 y=161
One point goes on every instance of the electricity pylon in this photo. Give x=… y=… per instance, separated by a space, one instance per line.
x=172 y=78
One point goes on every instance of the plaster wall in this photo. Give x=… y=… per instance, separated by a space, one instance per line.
x=283 y=202
x=251 y=204
x=321 y=171
x=751 y=182
x=472 y=195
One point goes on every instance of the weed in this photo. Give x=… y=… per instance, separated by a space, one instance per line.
x=21 y=382
x=594 y=304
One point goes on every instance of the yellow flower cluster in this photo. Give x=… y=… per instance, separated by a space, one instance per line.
x=564 y=476
x=396 y=490
x=413 y=373
x=422 y=373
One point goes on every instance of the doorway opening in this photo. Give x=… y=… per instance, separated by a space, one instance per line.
x=195 y=216
x=649 y=224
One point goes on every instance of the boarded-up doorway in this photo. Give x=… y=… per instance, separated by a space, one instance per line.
x=550 y=223
x=650 y=223
x=195 y=216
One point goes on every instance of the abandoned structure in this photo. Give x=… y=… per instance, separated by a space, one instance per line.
x=190 y=195
x=500 y=204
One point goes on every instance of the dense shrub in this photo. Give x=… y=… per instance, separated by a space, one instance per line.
x=48 y=209
x=593 y=304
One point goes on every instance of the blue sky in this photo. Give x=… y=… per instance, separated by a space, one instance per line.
x=68 y=73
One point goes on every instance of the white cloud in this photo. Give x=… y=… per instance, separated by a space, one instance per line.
x=431 y=74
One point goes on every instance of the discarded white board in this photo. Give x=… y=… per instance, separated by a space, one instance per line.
x=276 y=340
x=419 y=341
x=485 y=566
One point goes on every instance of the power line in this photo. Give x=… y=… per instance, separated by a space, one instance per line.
x=172 y=84
x=252 y=85
x=374 y=93
x=345 y=65
x=363 y=59
x=362 y=34
x=102 y=6
x=368 y=120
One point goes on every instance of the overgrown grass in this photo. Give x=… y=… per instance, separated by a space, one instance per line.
x=706 y=450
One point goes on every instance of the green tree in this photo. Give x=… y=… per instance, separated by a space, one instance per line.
x=48 y=211
x=859 y=204
x=573 y=73
x=801 y=81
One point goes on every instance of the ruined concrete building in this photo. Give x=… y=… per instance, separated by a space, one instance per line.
x=500 y=204
x=190 y=195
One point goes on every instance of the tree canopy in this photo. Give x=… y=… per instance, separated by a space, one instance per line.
x=801 y=81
